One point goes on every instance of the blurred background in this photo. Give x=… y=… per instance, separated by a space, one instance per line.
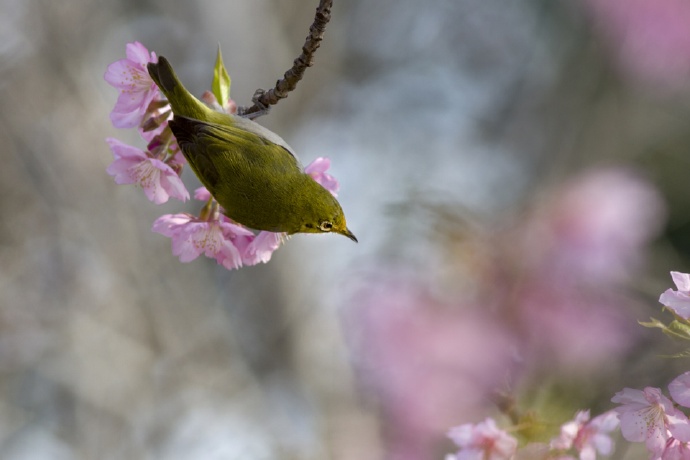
x=516 y=173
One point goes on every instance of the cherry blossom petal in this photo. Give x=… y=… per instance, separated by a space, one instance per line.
x=169 y=224
x=136 y=52
x=262 y=247
x=171 y=182
x=319 y=165
x=682 y=281
x=126 y=158
x=229 y=256
x=202 y=194
x=317 y=170
x=678 y=301
x=680 y=389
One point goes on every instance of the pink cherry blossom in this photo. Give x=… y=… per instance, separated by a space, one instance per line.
x=130 y=77
x=647 y=415
x=678 y=301
x=134 y=166
x=587 y=437
x=192 y=236
x=483 y=441
x=317 y=170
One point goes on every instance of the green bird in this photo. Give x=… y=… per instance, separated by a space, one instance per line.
x=250 y=171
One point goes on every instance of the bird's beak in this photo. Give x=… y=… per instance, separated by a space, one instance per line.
x=349 y=234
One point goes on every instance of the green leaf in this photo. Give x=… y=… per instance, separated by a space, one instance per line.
x=221 y=81
x=682 y=354
x=678 y=330
x=653 y=323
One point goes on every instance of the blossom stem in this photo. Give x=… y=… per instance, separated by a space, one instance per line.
x=293 y=75
x=209 y=211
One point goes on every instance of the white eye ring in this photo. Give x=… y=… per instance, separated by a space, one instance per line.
x=326 y=226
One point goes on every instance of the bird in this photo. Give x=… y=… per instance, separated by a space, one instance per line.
x=251 y=172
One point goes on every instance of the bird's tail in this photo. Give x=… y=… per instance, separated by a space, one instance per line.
x=182 y=101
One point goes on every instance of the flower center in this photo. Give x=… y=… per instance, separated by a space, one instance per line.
x=146 y=173
x=210 y=240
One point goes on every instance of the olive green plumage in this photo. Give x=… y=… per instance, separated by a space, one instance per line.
x=251 y=172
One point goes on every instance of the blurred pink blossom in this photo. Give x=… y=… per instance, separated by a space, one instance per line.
x=482 y=441
x=678 y=301
x=650 y=38
x=587 y=436
x=134 y=166
x=588 y=237
x=426 y=362
x=137 y=90
x=595 y=227
x=570 y=328
x=547 y=293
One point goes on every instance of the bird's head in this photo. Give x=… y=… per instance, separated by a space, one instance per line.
x=325 y=215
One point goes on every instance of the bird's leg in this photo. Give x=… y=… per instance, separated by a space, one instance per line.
x=256 y=99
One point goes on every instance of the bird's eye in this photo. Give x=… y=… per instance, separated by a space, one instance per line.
x=326 y=226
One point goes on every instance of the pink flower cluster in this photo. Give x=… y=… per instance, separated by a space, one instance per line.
x=217 y=237
x=585 y=437
x=647 y=415
x=482 y=440
x=141 y=105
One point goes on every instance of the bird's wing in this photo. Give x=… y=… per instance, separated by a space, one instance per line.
x=254 y=127
x=187 y=131
x=203 y=143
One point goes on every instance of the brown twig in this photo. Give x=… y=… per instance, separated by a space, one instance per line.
x=264 y=99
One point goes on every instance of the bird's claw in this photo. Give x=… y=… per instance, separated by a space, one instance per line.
x=263 y=109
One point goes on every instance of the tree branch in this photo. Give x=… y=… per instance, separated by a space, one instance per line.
x=264 y=99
